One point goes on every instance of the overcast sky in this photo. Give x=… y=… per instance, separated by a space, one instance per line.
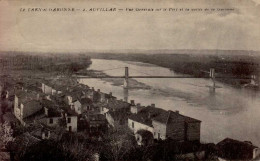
x=93 y=31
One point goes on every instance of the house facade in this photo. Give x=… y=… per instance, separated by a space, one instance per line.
x=47 y=89
x=164 y=124
x=26 y=104
x=71 y=123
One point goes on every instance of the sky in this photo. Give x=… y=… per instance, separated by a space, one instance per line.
x=238 y=29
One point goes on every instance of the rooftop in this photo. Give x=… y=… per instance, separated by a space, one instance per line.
x=118 y=104
x=85 y=101
x=119 y=115
x=149 y=113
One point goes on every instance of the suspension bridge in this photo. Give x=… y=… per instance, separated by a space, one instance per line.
x=211 y=75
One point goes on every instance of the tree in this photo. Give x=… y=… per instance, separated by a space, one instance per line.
x=117 y=144
x=6 y=134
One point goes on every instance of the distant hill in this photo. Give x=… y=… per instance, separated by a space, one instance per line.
x=139 y=51
x=181 y=51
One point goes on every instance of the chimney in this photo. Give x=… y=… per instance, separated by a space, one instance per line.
x=46 y=111
x=43 y=135
x=132 y=102
x=138 y=104
x=49 y=134
x=93 y=88
x=7 y=94
x=110 y=93
x=177 y=111
x=98 y=90
x=152 y=105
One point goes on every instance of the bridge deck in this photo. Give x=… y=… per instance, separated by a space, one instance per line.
x=161 y=77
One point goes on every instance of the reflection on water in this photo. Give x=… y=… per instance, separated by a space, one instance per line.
x=126 y=94
x=228 y=112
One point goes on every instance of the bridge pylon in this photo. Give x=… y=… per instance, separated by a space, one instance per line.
x=212 y=87
x=126 y=82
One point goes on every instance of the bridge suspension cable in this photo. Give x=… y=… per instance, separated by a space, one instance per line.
x=112 y=69
x=141 y=72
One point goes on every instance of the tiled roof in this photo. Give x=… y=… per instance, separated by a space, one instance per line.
x=54 y=112
x=36 y=116
x=68 y=111
x=149 y=113
x=143 y=115
x=76 y=95
x=85 y=101
x=118 y=115
x=168 y=117
x=32 y=104
x=118 y=104
x=48 y=104
x=25 y=96
x=96 y=117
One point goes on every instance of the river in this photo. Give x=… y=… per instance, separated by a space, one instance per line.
x=230 y=112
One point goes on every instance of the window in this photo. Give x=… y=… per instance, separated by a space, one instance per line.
x=159 y=136
x=51 y=121
x=133 y=125
x=69 y=120
x=69 y=128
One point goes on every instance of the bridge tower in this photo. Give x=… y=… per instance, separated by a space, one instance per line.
x=212 y=87
x=126 y=83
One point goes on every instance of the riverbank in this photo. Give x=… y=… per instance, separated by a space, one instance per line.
x=198 y=65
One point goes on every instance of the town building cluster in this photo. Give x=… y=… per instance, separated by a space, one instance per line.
x=77 y=107
x=64 y=103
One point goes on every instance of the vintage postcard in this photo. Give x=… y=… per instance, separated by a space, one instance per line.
x=129 y=80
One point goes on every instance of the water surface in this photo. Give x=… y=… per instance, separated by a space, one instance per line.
x=230 y=112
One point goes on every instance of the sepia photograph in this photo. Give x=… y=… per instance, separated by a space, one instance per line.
x=134 y=80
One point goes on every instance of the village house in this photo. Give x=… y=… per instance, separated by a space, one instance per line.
x=106 y=102
x=164 y=124
x=78 y=102
x=60 y=114
x=44 y=132
x=52 y=113
x=95 y=96
x=135 y=108
x=71 y=121
x=117 y=114
x=96 y=123
x=41 y=133
x=57 y=89
x=46 y=87
x=86 y=105
x=26 y=104
x=117 y=119
x=102 y=106
x=70 y=118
